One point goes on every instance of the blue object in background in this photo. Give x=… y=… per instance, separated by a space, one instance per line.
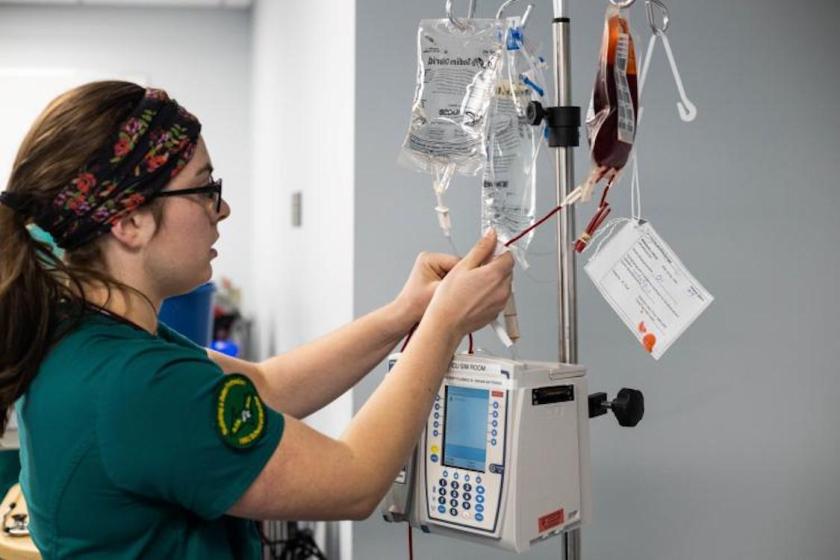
x=191 y=314
x=228 y=347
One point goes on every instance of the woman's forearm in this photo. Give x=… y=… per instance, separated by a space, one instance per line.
x=311 y=376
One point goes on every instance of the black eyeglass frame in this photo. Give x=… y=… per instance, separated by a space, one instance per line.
x=214 y=187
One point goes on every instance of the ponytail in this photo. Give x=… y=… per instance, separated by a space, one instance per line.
x=28 y=310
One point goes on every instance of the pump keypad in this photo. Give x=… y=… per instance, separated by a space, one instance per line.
x=464 y=497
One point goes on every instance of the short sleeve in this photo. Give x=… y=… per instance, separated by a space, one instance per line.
x=172 y=426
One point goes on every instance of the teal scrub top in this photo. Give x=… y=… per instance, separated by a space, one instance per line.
x=125 y=453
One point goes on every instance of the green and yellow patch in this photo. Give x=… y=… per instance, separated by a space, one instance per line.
x=240 y=414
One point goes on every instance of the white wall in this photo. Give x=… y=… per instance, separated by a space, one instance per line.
x=201 y=57
x=304 y=141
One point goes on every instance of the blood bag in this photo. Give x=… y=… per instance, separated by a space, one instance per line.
x=613 y=109
x=457 y=71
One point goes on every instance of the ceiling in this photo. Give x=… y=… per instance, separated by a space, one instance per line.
x=147 y=3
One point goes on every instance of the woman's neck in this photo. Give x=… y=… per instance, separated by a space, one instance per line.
x=127 y=303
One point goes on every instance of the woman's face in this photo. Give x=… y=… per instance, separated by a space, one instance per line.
x=179 y=254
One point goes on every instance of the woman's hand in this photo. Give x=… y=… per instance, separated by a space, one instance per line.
x=427 y=273
x=475 y=289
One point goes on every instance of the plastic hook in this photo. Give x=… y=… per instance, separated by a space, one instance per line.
x=686 y=109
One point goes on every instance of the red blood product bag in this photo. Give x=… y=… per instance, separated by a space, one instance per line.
x=614 y=107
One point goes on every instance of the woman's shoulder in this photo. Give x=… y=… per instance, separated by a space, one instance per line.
x=100 y=341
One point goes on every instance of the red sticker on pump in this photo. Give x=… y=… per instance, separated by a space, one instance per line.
x=553 y=519
x=498 y=394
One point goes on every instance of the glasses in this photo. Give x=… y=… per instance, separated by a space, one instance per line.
x=213 y=190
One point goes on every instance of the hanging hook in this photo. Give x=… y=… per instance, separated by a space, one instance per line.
x=652 y=6
x=622 y=3
x=524 y=21
x=686 y=109
x=456 y=22
x=501 y=10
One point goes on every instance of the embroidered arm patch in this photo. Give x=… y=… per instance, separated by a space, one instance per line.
x=239 y=413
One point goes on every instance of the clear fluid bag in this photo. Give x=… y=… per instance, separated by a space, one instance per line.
x=457 y=71
x=509 y=178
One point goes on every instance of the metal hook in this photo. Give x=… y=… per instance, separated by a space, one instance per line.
x=459 y=23
x=651 y=6
x=524 y=21
x=622 y=3
x=501 y=10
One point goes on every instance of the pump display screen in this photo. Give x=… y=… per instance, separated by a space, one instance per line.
x=465 y=433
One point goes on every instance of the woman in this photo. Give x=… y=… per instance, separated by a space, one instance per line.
x=135 y=442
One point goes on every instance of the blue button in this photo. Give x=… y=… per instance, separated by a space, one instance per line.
x=436 y=424
x=442 y=491
x=494 y=433
x=445 y=474
x=436 y=433
x=477 y=479
x=466 y=505
x=495 y=423
x=495 y=414
x=442 y=482
x=492 y=442
x=455 y=485
x=437 y=415
x=480 y=489
x=453 y=511
x=467 y=487
x=434 y=458
x=453 y=502
x=442 y=500
x=479 y=499
x=442 y=509
x=496 y=404
x=467 y=496
x=466 y=478
x=479 y=517
x=479 y=508
x=455 y=476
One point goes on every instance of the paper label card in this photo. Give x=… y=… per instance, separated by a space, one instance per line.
x=648 y=286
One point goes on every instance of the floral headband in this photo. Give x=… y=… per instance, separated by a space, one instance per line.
x=150 y=148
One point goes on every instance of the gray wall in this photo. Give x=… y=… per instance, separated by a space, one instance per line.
x=738 y=456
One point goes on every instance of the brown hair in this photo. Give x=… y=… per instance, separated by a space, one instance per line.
x=40 y=294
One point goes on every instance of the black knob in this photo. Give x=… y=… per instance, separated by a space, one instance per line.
x=628 y=407
x=535 y=113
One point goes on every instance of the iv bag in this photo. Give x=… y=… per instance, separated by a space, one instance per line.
x=612 y=116
x=509 y=180
x=457 y=71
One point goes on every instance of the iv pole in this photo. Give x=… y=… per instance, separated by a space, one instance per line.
x=564 y=177
x=564 y=137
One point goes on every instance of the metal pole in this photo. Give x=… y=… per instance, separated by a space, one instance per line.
x=564 y=176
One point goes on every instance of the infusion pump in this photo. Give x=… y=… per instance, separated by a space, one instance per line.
x=504 y=457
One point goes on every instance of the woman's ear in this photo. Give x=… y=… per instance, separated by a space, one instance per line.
x=135 y=230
